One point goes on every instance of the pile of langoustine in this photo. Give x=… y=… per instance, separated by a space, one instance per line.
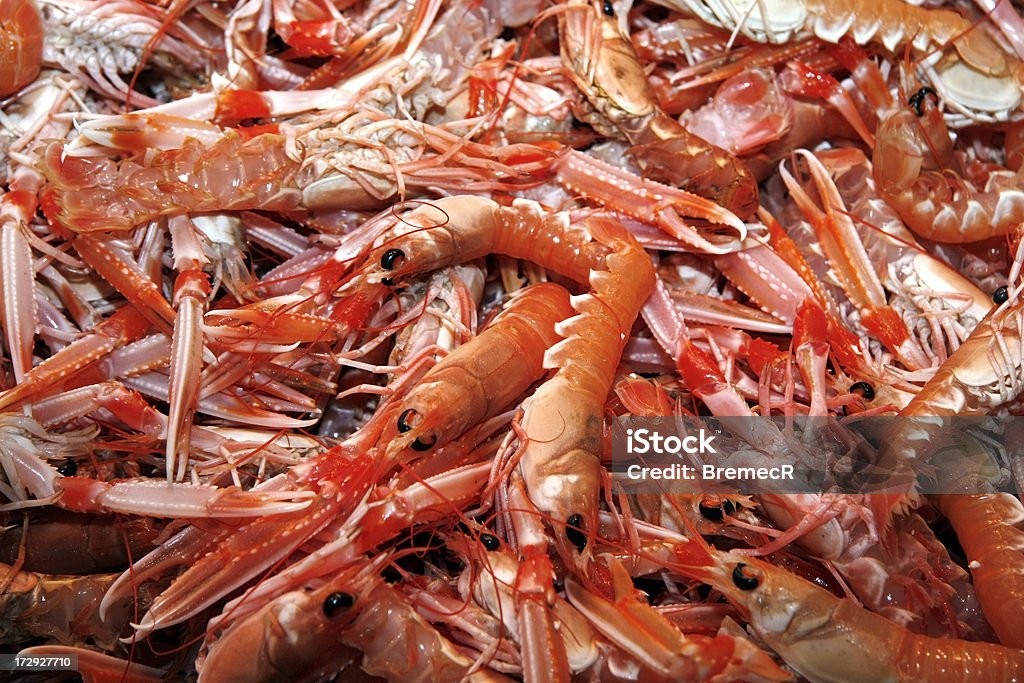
x=316 y=316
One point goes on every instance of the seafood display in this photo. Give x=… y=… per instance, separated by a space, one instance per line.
x=322 y=322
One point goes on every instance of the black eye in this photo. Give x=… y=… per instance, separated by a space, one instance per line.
x=403 y=420
x=711 y=511
x=1001 y=295
x=864 y=389
x=404 y=426
x=743 y=580
x=337 y=601
x=420 y=445
x=387 y=261
x=68 y=468
x=609 y=11
x=917 y=99
x=574 y=532
x=491 y=543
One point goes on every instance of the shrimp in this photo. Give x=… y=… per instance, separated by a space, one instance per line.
x=386 y=619
x=891 y=23
x=222 y=562
x=21 y=45
x=294 y=636
x=656 y=643
x=826 y=638
x=912 y=165
x=983 y=374
x=605 y=67
x=974 y=58
x=484 y=375
x=230 y=172
x=989 y=529
x=563 y=419
x=297 y=635
x=391 y=618
x=491 y=579
x=940 y=306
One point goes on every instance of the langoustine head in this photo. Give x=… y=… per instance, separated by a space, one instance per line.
x=296 y=636
x=823 y=637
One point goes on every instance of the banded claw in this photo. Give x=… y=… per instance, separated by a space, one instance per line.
x=96 y=666
x=650 y=201
x=157 y=498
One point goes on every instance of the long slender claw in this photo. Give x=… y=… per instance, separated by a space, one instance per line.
x=766 y=278
x=140 y=131
x=646 y=200
x=80 y=310
x=644 y=633
x=124 y=326
x=543 y=649
x=185 y=371
x=812 y=358
x=670 y=222
x=185 y=547
x=250 y=550
x=179 y=501
x=95 y=666
x=242 y=557
x=378 y=521
x=273 y=328
x=222 y=405
x=697 y=366
x=108 y=259
x=701 y=308
x=126 y=405
x=20 y=310
x=233 y=408
x=167 y=126
x=838 y=236
x=849 y=260
x=154 y=565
